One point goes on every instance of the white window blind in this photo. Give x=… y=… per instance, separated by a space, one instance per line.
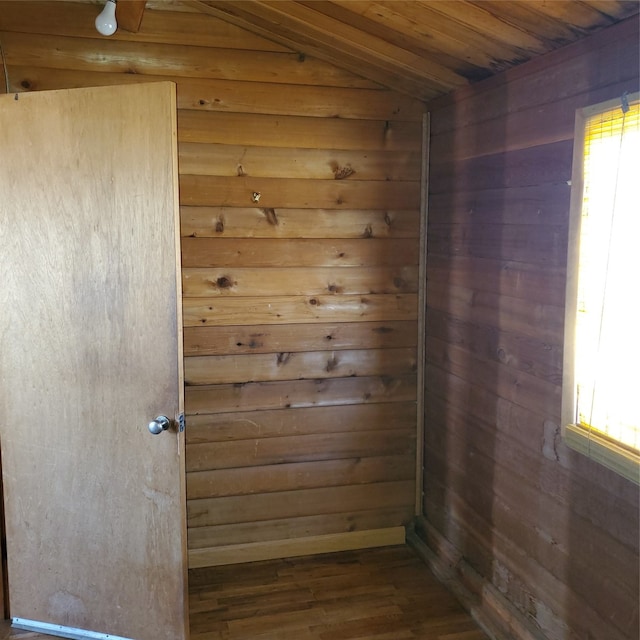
x=606 y=350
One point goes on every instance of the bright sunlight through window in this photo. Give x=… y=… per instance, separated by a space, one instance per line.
x=606 y=317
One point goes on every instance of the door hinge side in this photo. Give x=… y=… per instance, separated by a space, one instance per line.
x=181 y=423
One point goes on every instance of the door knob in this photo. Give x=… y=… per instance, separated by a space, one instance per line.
x=160 y=424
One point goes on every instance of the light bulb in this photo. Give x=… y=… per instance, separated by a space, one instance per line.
x=106 y=23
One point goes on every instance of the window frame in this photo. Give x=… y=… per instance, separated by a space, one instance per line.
x=592 y=444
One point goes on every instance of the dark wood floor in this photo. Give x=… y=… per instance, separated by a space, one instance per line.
x=378 y=594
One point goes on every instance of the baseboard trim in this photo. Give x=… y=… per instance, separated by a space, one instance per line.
x=311 y=545
x=497 y=617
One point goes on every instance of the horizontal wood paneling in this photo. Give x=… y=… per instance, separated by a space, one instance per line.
x=516 y=243
x=271 y=281
x=245 y=425
x=510 y=430
x=298 y=252
x=519 y=130
x=287 y=449
x=297 y=132
x=302 y=502
x=300 y=303
x=160 y=59
x=488 y=343
x=510 y=313
x=299 y=309
x=298 y=365
x=510 y=490
x=316 y=164
x=295 y=528
x=239 y=222
x=237 y=96
x=222 y=340
x=204 y=283
x=539 y=283
x=554 y=535
x=544 y=164
x=306 y=474
x=299 y=393
x=298 y=193
x=520 y=388
x=538 y=204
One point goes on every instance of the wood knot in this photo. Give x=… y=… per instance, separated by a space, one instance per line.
x=387 y=381
x=332 y=363
x=340 y=173
x=313 y=301
x=283 y=358
x=224 y=282
x=383 y=330
x=399 y=283
x=368 y=232
x=220 y=225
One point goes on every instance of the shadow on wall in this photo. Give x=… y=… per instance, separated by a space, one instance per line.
x=547 y=540
x=464 y=379
x=603 y=512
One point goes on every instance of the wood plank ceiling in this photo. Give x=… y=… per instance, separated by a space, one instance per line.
x=424 y=48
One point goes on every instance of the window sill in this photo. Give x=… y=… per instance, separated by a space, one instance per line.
x=603 y=451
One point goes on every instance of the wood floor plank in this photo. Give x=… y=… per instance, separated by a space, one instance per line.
x=372 y=594
x=375 y=594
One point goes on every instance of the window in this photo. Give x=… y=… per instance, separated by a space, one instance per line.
x=601 y=387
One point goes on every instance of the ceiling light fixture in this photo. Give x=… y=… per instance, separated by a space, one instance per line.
x=106 y=22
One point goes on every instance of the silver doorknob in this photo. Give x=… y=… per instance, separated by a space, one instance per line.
x=160 y=424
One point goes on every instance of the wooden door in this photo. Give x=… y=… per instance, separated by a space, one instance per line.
x=90 y=353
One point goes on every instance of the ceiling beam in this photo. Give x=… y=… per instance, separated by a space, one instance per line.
x=129 y=14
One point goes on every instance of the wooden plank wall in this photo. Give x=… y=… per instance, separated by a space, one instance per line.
x=299 y=190
x=545 y=534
